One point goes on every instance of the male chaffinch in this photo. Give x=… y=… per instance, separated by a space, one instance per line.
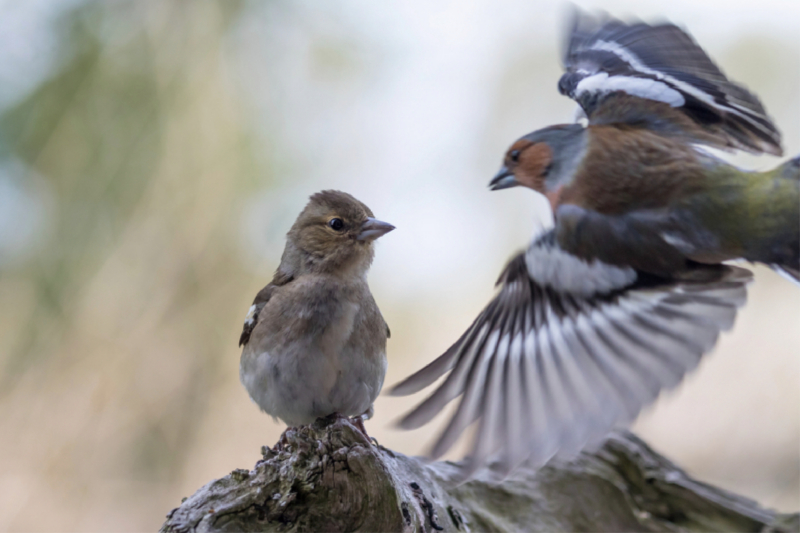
x=625 y=294
x=314 y=339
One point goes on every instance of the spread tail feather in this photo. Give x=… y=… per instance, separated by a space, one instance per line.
x=792 y=274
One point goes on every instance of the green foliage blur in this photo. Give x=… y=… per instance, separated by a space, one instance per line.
x=137 y=144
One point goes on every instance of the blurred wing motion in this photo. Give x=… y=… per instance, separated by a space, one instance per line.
x=646 y=69
x=556 y=360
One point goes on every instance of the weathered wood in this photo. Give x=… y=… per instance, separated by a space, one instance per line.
x=329 y=477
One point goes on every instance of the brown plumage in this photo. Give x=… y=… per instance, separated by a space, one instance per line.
x=630 y=168
x=627 y=292
x=314 y=339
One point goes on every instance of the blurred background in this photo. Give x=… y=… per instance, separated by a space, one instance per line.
x=153 y=155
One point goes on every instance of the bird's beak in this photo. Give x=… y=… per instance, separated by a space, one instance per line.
x=503 y=180
x=374 y=228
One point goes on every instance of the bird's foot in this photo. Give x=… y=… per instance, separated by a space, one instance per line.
x=358 y=421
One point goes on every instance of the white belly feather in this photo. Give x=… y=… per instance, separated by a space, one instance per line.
x=304 y=380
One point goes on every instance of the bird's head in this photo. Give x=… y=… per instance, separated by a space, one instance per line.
x=334 y=234
x=543 y=160
x=526 y=163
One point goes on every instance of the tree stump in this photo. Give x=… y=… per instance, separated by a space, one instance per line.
x=329 y=477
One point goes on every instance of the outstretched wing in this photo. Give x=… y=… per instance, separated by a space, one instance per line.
x=659 y=70
x=567 y=350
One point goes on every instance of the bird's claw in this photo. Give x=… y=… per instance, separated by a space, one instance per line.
x=358 y=421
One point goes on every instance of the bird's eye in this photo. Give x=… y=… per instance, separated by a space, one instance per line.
x=336 y=224
x=514 y=155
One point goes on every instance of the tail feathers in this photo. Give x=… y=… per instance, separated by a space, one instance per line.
x=791 y=169
x=792 y=274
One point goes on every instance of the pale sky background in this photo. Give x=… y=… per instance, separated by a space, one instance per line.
x=409 y=106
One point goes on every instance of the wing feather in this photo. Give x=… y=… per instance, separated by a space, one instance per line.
x=452 y=387
x=469 y=406
x=656 y=76
x=514 y=413
x=434 y=370
x=545 y=372
x=491 y=407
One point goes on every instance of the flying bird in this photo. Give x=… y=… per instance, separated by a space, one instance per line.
x=314 y=339
x=628 y=290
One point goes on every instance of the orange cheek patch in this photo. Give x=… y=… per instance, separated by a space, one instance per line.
x=539 y=155
x=532 y=165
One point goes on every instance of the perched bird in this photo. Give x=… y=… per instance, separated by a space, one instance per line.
x=626 y=293
x=314 y=339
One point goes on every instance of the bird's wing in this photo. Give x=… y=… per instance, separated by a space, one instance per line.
x=638 y=239
x=567 y=350
x=259 y=302
x=657 y=76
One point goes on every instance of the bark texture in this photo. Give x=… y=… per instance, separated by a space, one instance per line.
x=329 y=477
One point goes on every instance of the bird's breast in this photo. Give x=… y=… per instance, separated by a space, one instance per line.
x=341 y=327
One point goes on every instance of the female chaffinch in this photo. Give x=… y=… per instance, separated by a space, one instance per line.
x=314 y=339
x=626 y=293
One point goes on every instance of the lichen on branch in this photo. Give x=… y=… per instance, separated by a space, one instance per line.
x=330 y=477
